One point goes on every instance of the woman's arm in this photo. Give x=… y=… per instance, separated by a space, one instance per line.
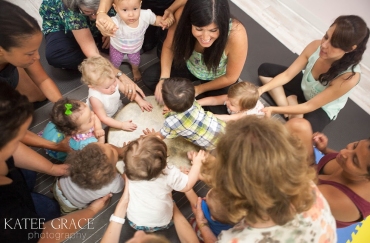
x=113 y=231
x=103 y=22
x=297 y=66
x=75 y=221
x=86 y=42
x=236 y=51
x=32 y=139
x=43 y=81
x=205 y=230
x=184 y=230
x=127 y=86
x=27 y=158
x=166 y=57
x=337 y=88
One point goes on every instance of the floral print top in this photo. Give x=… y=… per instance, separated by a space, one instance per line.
x=57 y=17
x=314 y=225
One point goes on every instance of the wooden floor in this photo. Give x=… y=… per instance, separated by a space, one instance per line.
x=268 y=13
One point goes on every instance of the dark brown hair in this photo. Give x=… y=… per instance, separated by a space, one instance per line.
x=66 y=124
x=89 y=167
x=349 y=30
x=16 y=26
x=145 y=158
x=200 y=14
x=178 y=94
x=15 y=109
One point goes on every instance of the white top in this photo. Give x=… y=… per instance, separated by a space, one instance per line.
x=80 y=197
x=130 y=40
x=111 y=102
x=315 y=225
x=151 y=202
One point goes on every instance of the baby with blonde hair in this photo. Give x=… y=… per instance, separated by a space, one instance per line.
x=104 y=95
x=242 y=98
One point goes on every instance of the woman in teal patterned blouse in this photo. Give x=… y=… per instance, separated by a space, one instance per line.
x=70 y=32
x=71 y=36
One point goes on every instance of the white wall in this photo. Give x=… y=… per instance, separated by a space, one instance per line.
x=322 y=13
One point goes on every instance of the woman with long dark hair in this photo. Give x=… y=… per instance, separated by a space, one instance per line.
x=331 y=70
x=204 y=44
x=20 y=67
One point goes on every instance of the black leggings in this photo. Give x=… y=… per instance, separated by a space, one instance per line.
x=318 y=118
x=151 y=77
x=63 y=51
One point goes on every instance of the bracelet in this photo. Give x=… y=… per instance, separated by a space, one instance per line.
x=117 y=219
x=202 y=225
x=100 y=12
x=162 y=79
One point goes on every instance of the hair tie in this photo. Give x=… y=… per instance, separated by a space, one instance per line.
x=68 y=107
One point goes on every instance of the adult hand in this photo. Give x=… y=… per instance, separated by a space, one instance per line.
x=105 y=24
x=158 y=92
x=59 y=170
x=168 y=19
x=130 y=87
x=105 y=42
x=97 y=205
x=63 y=145
x=320 y=140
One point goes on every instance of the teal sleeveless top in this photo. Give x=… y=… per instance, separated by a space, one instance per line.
x=197 y=67
x=312 y=87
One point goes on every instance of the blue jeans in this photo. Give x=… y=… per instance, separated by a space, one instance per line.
x=46 y=207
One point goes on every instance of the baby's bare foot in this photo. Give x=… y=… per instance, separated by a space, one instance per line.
x=137 y=74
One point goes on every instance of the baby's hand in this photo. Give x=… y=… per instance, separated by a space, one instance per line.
x=199 y=158
x=128 y=126
x=320 y=140
x=99 y=133
x=145 y=105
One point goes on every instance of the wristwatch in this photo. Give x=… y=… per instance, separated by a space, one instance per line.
x=119 y=74
x=117 y=219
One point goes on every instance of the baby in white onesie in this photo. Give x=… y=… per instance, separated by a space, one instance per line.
x=151 y=182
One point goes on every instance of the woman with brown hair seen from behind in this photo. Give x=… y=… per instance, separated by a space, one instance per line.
x=264 y=180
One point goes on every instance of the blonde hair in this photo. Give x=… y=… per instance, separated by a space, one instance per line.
x=246 y=93
x=261 y=172
x=95 y=70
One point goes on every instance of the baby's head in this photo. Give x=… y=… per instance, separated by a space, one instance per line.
x=72 y=116
x=178 y=94
x=97 y=73
x=94 y=166
x=242 y=96
x=145 y=158
x=216 y=207
x=128 y=10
